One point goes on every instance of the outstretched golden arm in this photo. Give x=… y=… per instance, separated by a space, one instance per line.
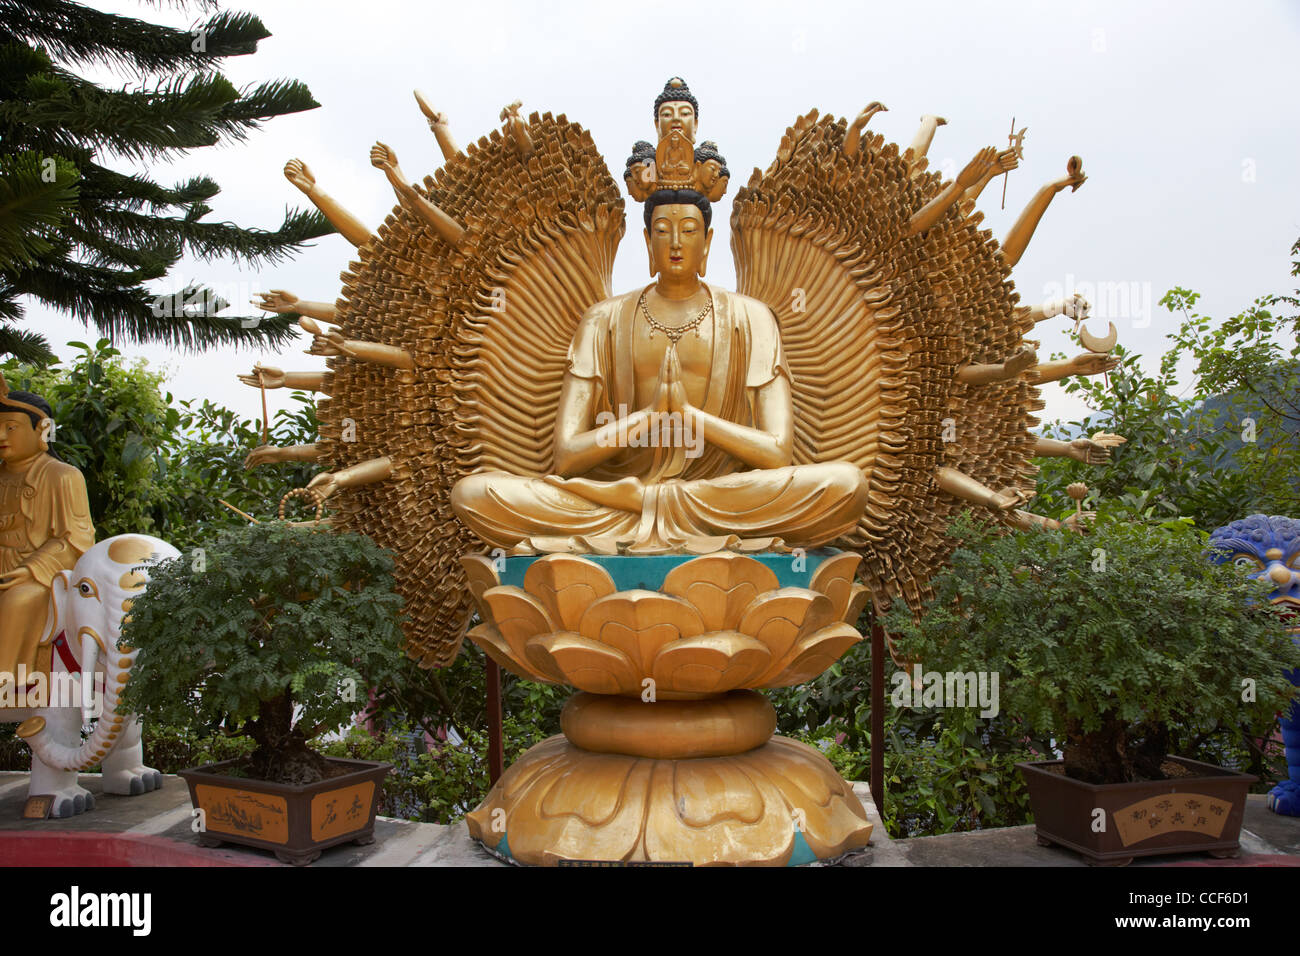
x=277 y=454
x=327 y=483
x=382 y=157
x=1073 y=306
x=853 y=138
x=280 y=301
x=332 y=343
x=986 y=160
x=963 y=486
x=1089 y=451
x=1017 y=240
x=1087 y=363
x=924 y=136
x=438 y=123
x=984 y=374
x=351 y=228
x=266 y=376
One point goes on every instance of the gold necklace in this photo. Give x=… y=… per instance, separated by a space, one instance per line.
x=674 y=332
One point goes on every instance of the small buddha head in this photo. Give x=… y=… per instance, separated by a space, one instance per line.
x=676 y=108
x=26 y=422
x=678 y=232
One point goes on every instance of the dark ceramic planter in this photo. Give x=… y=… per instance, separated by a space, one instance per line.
x=1200 y=813
x=294 y=822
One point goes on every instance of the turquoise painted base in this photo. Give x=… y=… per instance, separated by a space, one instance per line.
x=647 y=571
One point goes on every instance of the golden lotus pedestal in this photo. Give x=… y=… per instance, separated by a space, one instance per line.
x=667 y=754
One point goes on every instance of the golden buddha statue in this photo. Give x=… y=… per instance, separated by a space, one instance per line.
x=675 y=426
x=869 y=379
x=44 y=525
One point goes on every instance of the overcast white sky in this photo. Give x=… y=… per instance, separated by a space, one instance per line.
x=1184 y=114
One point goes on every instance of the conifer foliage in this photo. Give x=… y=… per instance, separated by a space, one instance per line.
x=83 y=228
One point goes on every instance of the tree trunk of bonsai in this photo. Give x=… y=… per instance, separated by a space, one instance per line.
x=1115 y=753
x=282 y=754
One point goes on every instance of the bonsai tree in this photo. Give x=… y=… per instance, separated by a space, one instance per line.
x=271 y=631
x=1104 y=641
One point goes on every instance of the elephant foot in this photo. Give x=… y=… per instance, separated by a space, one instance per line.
x=1285 y=799
x=69 y=801
x=132 y=781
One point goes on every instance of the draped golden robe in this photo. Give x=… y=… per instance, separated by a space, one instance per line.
x=45 y=527
x=675 y=492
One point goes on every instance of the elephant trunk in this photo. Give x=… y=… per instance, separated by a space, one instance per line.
x=108 y=728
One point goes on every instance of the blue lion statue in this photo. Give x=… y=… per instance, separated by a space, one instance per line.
x=1267 y=548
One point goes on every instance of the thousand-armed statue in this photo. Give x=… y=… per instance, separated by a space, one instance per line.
x=687 y=489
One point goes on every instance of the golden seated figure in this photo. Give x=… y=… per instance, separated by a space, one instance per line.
x=44 y=528
x=675 y=426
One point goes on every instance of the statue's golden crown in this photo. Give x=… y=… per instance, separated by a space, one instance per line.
x=676 y=164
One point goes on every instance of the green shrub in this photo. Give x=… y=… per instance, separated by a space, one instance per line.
x=1123 y=644
x=273 y=631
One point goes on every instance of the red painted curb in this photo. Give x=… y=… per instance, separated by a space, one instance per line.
x=92 y=848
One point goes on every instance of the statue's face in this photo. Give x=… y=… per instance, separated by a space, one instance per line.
x=18 y=439
x=1266 y=548
x=678 y=241
x=677 y=115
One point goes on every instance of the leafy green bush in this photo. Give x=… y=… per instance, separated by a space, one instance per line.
x=1228 y=449
x=153 y=465
x=273 y=631
x=1121 y=643
x=170 y=749
x=113 y=422
x=945 y=770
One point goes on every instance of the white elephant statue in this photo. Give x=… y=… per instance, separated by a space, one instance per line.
x=87 y=605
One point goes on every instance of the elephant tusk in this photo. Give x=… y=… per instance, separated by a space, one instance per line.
x=1094 y=344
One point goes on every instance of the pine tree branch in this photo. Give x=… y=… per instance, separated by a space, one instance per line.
x=81 y=35
x=93 y=257
x=145 y=261
x=133 y=192
x=211 y=240
x=36 y=197
x=31 y=348
x=139 y=125
x=120 y=309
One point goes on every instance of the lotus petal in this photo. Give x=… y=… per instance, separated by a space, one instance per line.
x=720 y=586
x=639 y=623
x=587 y=664
x=561 y=802
x=829 y=814
x=517 y=615
x=859 y=595
x=813 y=654
x=834 y=578
x=482 y=575
x=711 y=809
x=710 y=663
x=567 y=585
x=496 y=647
x=779 y=618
